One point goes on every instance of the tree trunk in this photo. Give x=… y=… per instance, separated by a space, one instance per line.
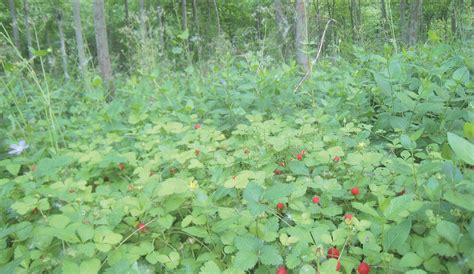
x=184 y=16
x=195 y=16
x=217 y=17
x=76 y=10
x=355 y=15
x=416 y=16
x=16 y=33
x=383 y=12
x=62 y=43
x=125 y=3
x=301 y=36
x=282 y=25
x=403 y=22
x=161 y=29
x=142 y=21
x=29 y=42
x=103 y=47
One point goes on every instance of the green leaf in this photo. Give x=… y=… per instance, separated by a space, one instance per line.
x=462 y=148
x=39 y=53
x=462 y=200
x=469 y=130
x=210 y=267
x=58 y=221
x=396 y=235
x=298 y=168
x=196 y=231
x=461 y=75
x=86 y=232
x=253 y=192
x=245 y=260
x=398 y=207
x=449 y=231
x=90 y=266
x=411 y=260
x=70 y=267
x=171 y=186
x=269 y=255
x=278 y=191
x=13 y=168
x=406 y=142
x=366 y=209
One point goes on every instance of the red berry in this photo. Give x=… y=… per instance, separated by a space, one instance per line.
x=336 y=159
x=141 y=227
x=277 y=172
x=338 y=266
x=197 y=126
x=348 y=216
x=281 y=270
x=363 y=268
x=280 y=206
x=333 y=252
x=299 y=156
x=316 y=199
x=121 y=166
x=355 y=191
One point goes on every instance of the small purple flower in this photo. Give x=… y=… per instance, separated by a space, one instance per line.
x=17 y=149
x=223 y=82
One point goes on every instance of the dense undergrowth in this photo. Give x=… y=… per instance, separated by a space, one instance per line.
x=183 y=171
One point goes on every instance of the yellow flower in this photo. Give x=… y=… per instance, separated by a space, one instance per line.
x=193 y=185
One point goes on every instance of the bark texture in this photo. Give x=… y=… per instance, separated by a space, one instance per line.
x=416 y=16
x=103 y=46
x=62 y=42
x=29 y=41
x=301 y=35
x=76 y=9
x=16 y=33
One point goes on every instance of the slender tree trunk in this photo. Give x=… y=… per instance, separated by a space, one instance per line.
x=62 y=43
x=76 y=10
x=142 y=21
x=103 y=47
x=282 y=24
x=125 y=3
x=416 y=16
x=217 y=17
x=16 y=33
x=195 y=16
x=161 y=29
x=383 y=12
x=301 y=36
x=29 y=41
x=184 y=16
x=355 y=15
x=403 y=23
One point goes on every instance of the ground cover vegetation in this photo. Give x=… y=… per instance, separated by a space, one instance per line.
x=236 y=137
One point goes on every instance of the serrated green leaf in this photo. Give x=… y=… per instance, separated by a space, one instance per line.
x=462 y=148
x=245 y=260
x=269 y=255
x=210 y=267
x=462 y=200
x=298 y=168
x=58 y=221
x=396 y=234
x=449 y=231
x=90 y=266
x=411 y=259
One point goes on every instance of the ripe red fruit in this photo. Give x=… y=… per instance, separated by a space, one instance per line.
x=281 y=270
x=299 y=156
x=316 y=200
x=141 y=227
x=336 y=159
x=355 y=191
x=197 y=126
x=280 y=206
x=333 y=252
x=338 y=266
x=348 y=216
x=121 y=166
x=277 y=172
x=363 y=268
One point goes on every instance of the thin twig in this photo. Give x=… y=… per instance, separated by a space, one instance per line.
x=308 y=73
